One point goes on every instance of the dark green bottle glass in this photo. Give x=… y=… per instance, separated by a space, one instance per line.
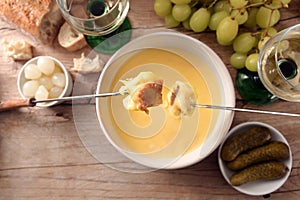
x=108 y=44
x=251 y=88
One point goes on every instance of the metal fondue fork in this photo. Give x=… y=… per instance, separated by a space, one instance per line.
x=79 y=97
x=10 y=104
x=246 y=110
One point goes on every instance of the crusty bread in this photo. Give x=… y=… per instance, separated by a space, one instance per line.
x=18 y=49
x=87 y=65
x=40 y=18
x=70 y=39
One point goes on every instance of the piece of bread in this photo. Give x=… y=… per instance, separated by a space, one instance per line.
x=41 y=18
x=144 y=91
x=86 y=65
x=70 y=39
x=17 y=49
x=181 y=99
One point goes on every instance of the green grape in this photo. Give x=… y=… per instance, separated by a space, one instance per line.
x=275 y=17
x=241 y=15
x=238 y=60
x=186 y=24
x=256 y=2
x=244 y=42
x=262 y=42
x=181 y=1
x=222 y=5
x=267 y=17
x=227 y=31
x=181 y=12
x=162 y=7
x=199 y=20
x=216 y=18
x=256 y=41
x=285 y=2
x=275 y=4
x=270 y=31
x=251 y=21
x=251 y=62
x=170 y=21
x=238 y=3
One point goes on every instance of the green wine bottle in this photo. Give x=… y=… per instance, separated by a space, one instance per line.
x=251 y=88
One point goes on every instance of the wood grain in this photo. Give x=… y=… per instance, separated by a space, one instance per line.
x=42 y=156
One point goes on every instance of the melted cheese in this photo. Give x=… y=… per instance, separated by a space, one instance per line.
x=160 y=131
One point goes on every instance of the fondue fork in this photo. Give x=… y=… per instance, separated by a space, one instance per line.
x=89 y=96
x=17 y=103
x=245 y=110
x=10 y=104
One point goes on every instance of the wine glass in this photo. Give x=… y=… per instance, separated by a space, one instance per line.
x=98 y=20
x=278 y=64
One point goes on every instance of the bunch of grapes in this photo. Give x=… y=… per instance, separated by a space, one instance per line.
x=225 y=17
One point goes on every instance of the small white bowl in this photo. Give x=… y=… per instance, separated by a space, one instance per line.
x=66 y=90
x=260 y=187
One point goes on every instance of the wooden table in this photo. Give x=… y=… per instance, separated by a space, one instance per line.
x=42 y=156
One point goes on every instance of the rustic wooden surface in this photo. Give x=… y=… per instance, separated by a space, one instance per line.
x=42 y=157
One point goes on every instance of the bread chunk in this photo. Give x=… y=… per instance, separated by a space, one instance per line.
x=87 y=65
x=181 y=99
x=40 y=18
x=17 y=49
x=145 y=90
x=70 y=39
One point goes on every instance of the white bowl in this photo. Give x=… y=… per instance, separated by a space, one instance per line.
x=260 y=187
x=215 y=74
x=66 y=90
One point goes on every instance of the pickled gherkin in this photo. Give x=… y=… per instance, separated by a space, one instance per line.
x=274 y=151
x=266 y=170
x=247 y=140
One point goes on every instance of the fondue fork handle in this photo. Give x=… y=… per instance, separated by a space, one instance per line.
x=246 y=110
x=15 y=103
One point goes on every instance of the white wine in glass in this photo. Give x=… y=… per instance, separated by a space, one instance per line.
x=278 y=64
x=98 y=20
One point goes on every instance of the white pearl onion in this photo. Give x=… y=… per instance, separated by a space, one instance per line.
x=30 y=87
x=59 y=79
x=32 y=72
x=46 y=65
x=41 y=93
x=55 y=92
x=46 y=81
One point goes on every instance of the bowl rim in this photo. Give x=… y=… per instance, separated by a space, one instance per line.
x=59 y=64
x=194 y=156
x=244 y=188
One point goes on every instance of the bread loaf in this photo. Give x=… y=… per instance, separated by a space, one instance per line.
x=40 y=18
